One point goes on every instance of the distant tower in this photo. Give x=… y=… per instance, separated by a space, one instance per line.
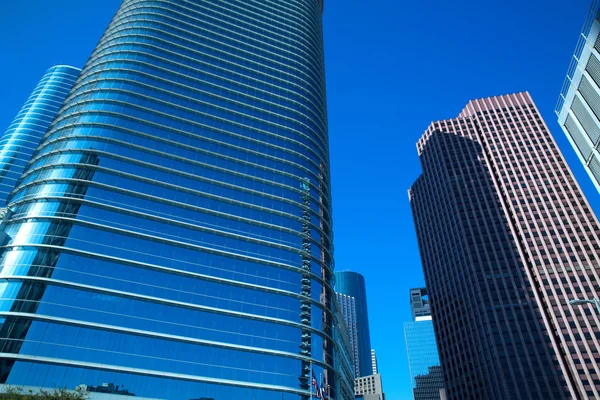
x=348 y=308
x=421 y=349
x=369 y=387
x=353 y=284
x=507 y=239
x=374 y=362
x=578 y=106
x=419 y=304
x=25 y=132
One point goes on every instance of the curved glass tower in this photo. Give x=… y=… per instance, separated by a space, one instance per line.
x=352 y=284
x=172 y=234
x=23 y=135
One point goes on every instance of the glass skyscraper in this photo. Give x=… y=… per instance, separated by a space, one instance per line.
x=356 y=314
x=23 y=135
x=421 y=349
x=578 y=106
x=348 y=309
x=171 y=236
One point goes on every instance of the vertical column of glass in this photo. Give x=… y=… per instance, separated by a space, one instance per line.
x=172 y=235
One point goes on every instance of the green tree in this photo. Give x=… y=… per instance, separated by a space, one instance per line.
x=16 y=393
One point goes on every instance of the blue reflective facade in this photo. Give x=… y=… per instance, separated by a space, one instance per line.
x=426 y=374
x=172 y=234
x=353 y=284
x=23 y=135
x=348 y=309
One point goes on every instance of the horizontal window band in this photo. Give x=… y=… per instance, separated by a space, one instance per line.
x=177 y=158
x=166 y=241
x=58 y=196
x=129 y=56
x=154 y=217
x=194 y=177
x=168 y=270
x=323 y=206
x=166 y=302
x=120 y=28
x=315 y=135
x=267 y=104
x=59 y=126
x=289 y=27
x=302 y=87
x=201 y=249
x=146 y=372
x=117 y=55
x=72 y=273
x=318 y=159
x=162 y=336
x=317 y=110
x=159 y=184
x=131 y=193
x=83 y=90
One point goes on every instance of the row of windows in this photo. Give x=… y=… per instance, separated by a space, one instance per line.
x=155 y=28
x=241 y=129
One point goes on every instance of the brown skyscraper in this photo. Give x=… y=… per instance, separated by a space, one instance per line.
x=506 y=240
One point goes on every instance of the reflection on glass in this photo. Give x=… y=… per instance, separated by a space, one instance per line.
x=107 y=388
x=171 y=236
x=21 y=139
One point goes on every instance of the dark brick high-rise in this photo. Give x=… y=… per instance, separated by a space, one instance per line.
x=506 y=240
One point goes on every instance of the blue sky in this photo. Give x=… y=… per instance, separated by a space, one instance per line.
x=392 y=68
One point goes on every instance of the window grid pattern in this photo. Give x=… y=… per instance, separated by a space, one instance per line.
x=578 y=107
x=507 y=238
x=348 y=308
x=423 y=361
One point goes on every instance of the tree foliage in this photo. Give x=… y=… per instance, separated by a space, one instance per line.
x=15 y=393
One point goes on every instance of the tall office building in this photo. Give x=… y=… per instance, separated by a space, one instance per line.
x=172 y=234
x=348 y=310
x=348 y=283
x=426 y=375
x=23 y=135
x=507 y=239
x=578 y=106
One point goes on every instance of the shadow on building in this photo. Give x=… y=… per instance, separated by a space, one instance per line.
x=428 y=386
x=488 y=325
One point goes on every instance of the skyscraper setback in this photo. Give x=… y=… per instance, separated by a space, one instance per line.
x=172 y=234
x=507 y=238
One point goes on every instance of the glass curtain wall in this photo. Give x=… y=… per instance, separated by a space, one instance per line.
x=172 y=235
x=23 y=135
x=353 y=284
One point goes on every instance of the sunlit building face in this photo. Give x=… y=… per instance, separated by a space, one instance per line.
x=171 y=237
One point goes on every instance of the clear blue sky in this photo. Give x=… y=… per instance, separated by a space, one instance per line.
x=392 y=67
